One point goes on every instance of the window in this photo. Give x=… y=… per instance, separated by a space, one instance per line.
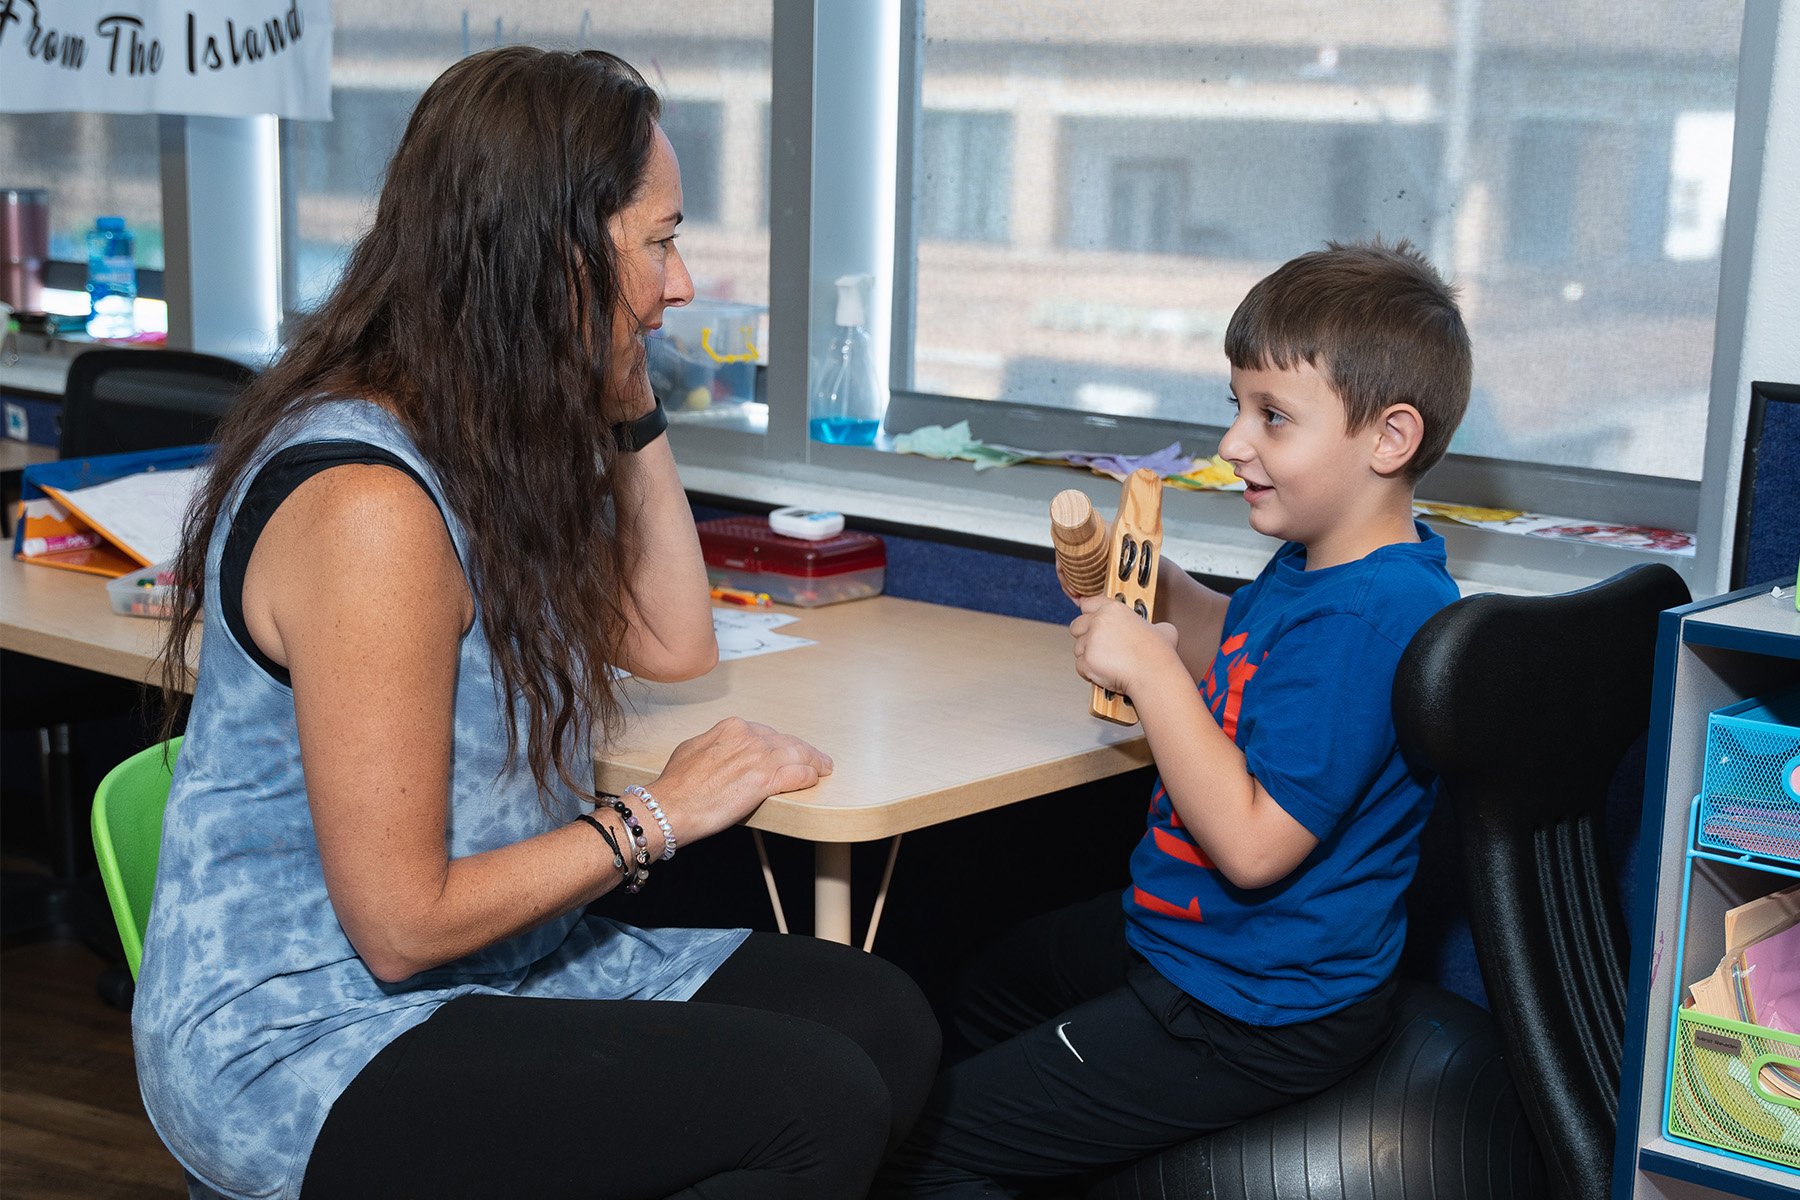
x=709 y=61
x=966 y=160
x=94 y=165
x=1566 y=166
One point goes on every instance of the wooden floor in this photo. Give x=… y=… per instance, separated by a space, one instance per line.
x=71 y=1122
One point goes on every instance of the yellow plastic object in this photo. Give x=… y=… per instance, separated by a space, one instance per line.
x=750 y=353
x=127 y=824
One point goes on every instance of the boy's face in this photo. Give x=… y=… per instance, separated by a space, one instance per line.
x=1304 y=472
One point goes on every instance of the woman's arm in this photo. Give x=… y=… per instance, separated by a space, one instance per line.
x=668 y=611
x=669 y=634
x=354 y=586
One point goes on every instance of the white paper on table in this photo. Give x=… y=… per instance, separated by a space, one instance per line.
x=746 y=634
x=748 y=618
x=142 y=511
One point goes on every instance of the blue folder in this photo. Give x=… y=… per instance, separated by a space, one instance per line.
x=77 y=473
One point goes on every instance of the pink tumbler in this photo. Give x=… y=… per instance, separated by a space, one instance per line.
x=24 y=247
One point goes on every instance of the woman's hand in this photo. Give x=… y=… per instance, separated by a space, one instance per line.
x=717 y=779
x=1114 y=646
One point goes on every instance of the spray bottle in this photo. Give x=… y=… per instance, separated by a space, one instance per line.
x=845 y=408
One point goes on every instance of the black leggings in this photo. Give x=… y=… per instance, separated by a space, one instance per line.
x=791 y=1073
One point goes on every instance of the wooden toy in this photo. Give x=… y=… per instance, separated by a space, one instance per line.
x=1080 y=540
x=1127 y=568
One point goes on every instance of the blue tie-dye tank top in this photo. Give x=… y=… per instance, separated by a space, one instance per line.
x=253 y=1011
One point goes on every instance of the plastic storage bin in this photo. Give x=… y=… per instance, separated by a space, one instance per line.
x=706 y=354
x=1717 y=1094
x=145 y=592
x=743 y=552
x=1750 y=792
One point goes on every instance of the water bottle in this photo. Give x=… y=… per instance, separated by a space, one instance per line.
x=845 y=408
x=112 y=279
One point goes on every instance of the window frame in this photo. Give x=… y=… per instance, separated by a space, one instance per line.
x=783 y=463
x=783 y=466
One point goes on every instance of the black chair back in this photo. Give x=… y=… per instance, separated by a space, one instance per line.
x=1524 y=706
x=122 y=400
x=1766 y=547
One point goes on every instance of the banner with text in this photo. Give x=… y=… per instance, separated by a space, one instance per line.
x=215 y=58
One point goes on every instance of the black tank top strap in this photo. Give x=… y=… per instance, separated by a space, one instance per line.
x=276 y=481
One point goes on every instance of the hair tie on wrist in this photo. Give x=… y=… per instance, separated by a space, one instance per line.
x=611 y=841
x=656 y=811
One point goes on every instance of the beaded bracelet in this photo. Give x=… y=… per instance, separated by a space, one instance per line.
x=640 y=855
x=656 y=811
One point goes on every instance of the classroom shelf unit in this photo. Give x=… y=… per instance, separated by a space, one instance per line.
x=1709 y=654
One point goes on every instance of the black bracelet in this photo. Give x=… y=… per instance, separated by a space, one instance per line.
x=635 y=435
x=611 y=841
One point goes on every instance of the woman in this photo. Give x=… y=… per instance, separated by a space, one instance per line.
x=432 y=531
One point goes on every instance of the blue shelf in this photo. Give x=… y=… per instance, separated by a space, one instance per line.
x=1707 y=1175
x=1750 y=623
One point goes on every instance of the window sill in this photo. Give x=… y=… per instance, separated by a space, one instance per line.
x=1205 y=532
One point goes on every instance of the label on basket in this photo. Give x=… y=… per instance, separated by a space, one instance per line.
x=1706 y=1039
x=1790 y=777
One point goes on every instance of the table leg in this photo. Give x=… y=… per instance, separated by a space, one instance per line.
x=831 y=891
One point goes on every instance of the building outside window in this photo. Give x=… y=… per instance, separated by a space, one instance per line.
x=708 y=58
x=1566 y=166
x=965 y=165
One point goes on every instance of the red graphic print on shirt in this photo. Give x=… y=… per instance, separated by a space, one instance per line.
x=1225 y=702
x=1157 y=904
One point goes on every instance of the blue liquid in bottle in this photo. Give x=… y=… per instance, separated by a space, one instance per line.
x=844 y=408
x=112 y=279
x=844 y=431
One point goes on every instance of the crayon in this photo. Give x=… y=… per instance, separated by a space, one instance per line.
x=742 y=598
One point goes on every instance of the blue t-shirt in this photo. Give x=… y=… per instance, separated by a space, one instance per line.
x=1302 y=683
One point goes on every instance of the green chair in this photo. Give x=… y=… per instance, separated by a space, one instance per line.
x=128 y=815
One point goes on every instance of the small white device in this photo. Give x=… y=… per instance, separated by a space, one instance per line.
x=806 y=523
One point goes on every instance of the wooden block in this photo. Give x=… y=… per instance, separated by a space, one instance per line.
x=1136 y=548
x=1080 y=540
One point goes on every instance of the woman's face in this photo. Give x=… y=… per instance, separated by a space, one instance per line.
x=652 y=276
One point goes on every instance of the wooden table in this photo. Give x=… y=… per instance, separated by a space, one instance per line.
x=929 y=713
x=65 y=616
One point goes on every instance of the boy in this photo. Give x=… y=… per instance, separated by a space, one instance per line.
x=1250 y=963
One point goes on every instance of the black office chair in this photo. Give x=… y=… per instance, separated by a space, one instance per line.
x=1766 y=547
x=1525 y=707
x=1433 y=1116
x=120 y=400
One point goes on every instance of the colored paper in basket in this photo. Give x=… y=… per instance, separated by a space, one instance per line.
x=1770 y=977
x=1767 y=992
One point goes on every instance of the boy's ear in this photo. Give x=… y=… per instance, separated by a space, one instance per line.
x=1398 y=433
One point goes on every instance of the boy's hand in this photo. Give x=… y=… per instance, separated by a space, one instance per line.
x=1115 y=648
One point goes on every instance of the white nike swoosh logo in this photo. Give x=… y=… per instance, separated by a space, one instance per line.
x=1067 y=1042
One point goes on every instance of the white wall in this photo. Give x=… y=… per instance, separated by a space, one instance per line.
x=1759 y=300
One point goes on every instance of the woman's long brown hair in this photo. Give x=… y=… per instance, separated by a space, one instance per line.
x=480 y=309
